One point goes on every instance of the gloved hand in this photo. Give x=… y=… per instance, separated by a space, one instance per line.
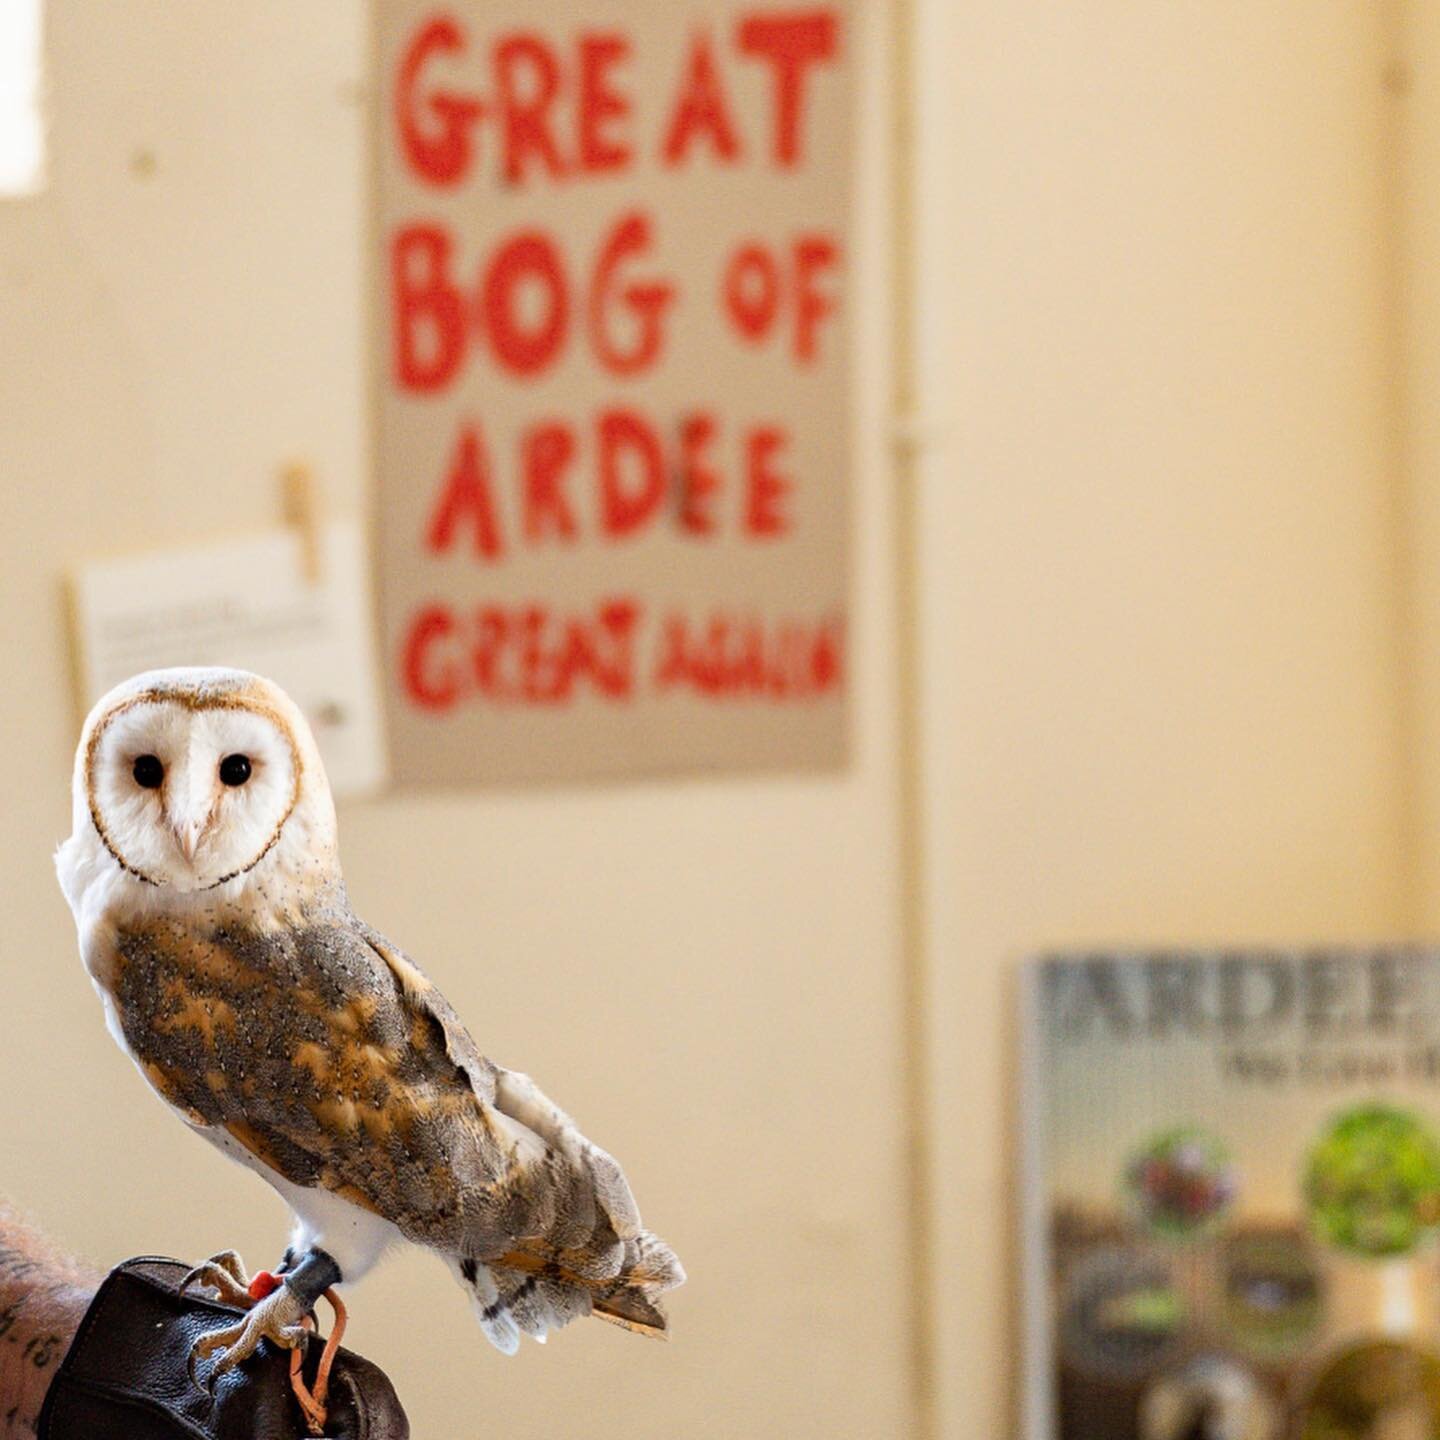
x=127 y=1375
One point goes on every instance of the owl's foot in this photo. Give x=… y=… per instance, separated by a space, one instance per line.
x=276 y=1318
x=277 y=1307
x=225 y=1275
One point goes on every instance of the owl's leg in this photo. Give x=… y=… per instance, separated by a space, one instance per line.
x=275 y=1318
x=225 y=1275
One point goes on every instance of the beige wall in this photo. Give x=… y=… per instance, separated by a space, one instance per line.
x=1159 y=557
x=1418 y=315
x=704 y=972
x=1163 y=578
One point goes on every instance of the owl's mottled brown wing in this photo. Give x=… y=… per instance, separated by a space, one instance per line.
x=534 y=1132
x=559 y=1233
x=330 y=1057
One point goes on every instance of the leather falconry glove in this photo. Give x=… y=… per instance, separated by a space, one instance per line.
x=127 y=1375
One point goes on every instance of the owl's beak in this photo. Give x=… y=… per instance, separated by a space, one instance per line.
x=187 y=837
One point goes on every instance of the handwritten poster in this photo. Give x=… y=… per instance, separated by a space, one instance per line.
x=613 y=417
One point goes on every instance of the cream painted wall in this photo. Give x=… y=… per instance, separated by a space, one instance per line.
x=705 y=972
x=1418 y=314
x=1159 y=557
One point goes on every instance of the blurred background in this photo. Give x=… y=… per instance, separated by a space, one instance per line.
x=1144 y=523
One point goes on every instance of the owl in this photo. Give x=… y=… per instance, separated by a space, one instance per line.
x=205 y=882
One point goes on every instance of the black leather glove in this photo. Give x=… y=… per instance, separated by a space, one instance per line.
x=127 y=1375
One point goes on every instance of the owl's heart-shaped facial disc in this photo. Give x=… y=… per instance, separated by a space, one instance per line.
x=188 y=791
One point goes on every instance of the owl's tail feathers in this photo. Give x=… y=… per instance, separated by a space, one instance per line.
x=632 y=1299
x=583 y=1251
x=533 y=1289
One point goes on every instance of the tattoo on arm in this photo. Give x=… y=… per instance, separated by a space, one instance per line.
x=43 y=1295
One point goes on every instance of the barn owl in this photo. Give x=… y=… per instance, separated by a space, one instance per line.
x=205 y=882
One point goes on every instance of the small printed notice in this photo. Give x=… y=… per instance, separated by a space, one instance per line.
x=613 y=414
x=249 y=604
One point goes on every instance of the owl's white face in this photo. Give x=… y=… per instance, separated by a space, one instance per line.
x=191 y=793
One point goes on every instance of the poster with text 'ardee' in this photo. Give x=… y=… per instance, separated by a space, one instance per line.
x=611 y=281
x=1232 y=1196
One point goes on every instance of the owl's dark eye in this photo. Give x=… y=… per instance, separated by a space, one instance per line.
x=149 y=773
x=235 y=769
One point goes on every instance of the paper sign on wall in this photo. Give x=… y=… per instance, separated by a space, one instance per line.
x=250 y=604
x=613 y=415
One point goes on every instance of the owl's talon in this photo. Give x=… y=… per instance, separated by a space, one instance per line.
x=225 y=1275
x=276 y=1318
x=215 y=1340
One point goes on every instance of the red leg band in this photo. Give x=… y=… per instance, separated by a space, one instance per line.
x=262 y=1284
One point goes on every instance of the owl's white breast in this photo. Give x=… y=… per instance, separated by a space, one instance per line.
x=355 y=1238
x=87 y=880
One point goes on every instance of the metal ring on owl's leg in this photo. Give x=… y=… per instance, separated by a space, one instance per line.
x=313 y=1274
